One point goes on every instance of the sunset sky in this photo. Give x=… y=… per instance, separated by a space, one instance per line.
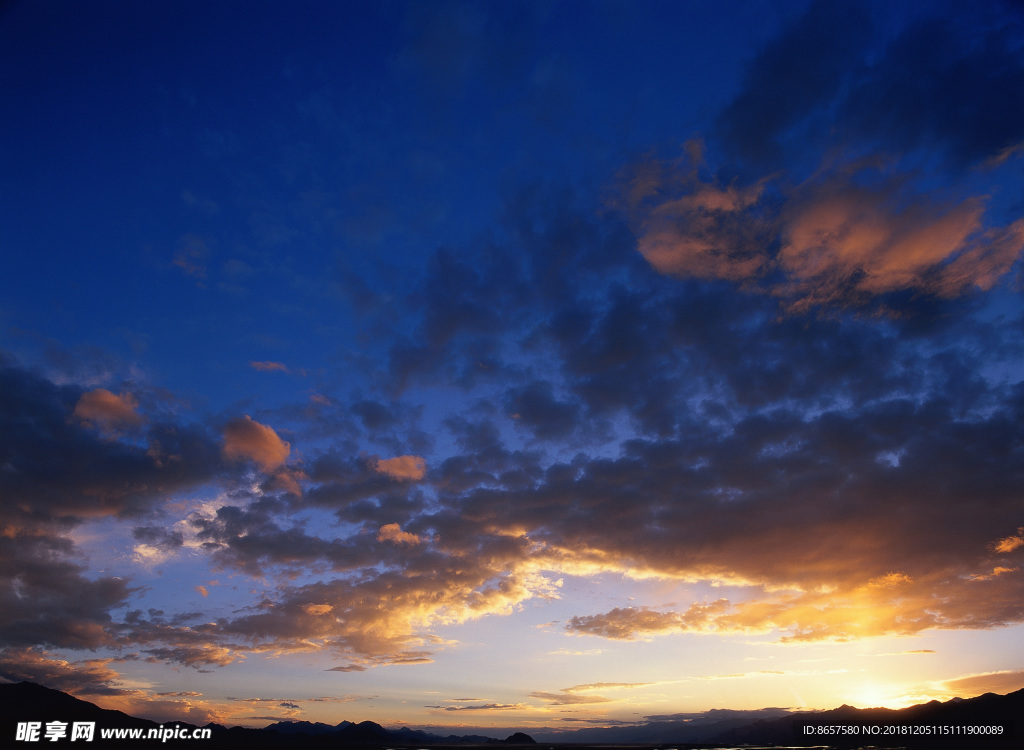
x=511 y=365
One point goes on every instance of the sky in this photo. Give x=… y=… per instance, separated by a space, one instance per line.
x=511 y=365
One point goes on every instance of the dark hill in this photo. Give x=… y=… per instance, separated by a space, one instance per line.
x=922 y=727
x=28 y=702
x=306 y=727
x=519 y=738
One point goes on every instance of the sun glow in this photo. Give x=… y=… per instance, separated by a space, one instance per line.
x=877 y=695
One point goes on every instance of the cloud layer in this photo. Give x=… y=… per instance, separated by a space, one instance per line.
x=784 y=367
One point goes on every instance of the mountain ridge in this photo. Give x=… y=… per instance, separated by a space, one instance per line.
x=25 y=701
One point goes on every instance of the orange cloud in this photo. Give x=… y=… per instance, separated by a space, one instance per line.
x=838 y=241
x=96 y=682
x=844 y=243
x=317 y=609
x=1010 y=543
x=996 y=571
x=1003 y=682
x=889 y=580
x=402 y=468
x=705 y=235
x=110 y=411
x=392 y=532
x=287 y=479
x=692 y=228
x=246 y=439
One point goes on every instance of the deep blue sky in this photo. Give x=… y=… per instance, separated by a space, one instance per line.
x=345 y=344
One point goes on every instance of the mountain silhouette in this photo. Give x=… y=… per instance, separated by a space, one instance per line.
x=27 y=702
x=957 y=723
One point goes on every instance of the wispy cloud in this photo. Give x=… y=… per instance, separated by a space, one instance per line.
x=267 y=366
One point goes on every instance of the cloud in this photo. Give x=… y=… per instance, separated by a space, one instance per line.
x=318 y=609
x=941 y=85
x=566 y=698
x=844 y=237
x=49 y=600
x=103 y=408
x=827 y=194
x=423 y=585
x=402 y=468
x=88 y=677
x=1010 y=543
x=605 y=686
x=485 y=707
x=937 y=85
x=269 y=366
x=192 y=256
x=690 y=228
x=821 y=49
x=93 y=679
x=157 y=544
x=392 y=532
x=629 y=624
x=246 y=439
x=645 y=414
x=844 y=243
x=1001 y=682
x=57 y=469
x=535 y=407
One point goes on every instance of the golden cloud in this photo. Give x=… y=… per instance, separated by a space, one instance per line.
x=402 y=468
x=317 y=609
x=1002 y=682
x=392 y=532
x=1010 y=543
x=568 y=699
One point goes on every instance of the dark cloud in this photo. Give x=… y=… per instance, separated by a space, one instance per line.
x=59 y=472
x=57 y=468
x=251 y=539
x=374 y=415
x=536 y=408
x=48 y=599
x=940 y=87
x=794 y=78
x=942 y=84
x=158 y=536
x=172 y=642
